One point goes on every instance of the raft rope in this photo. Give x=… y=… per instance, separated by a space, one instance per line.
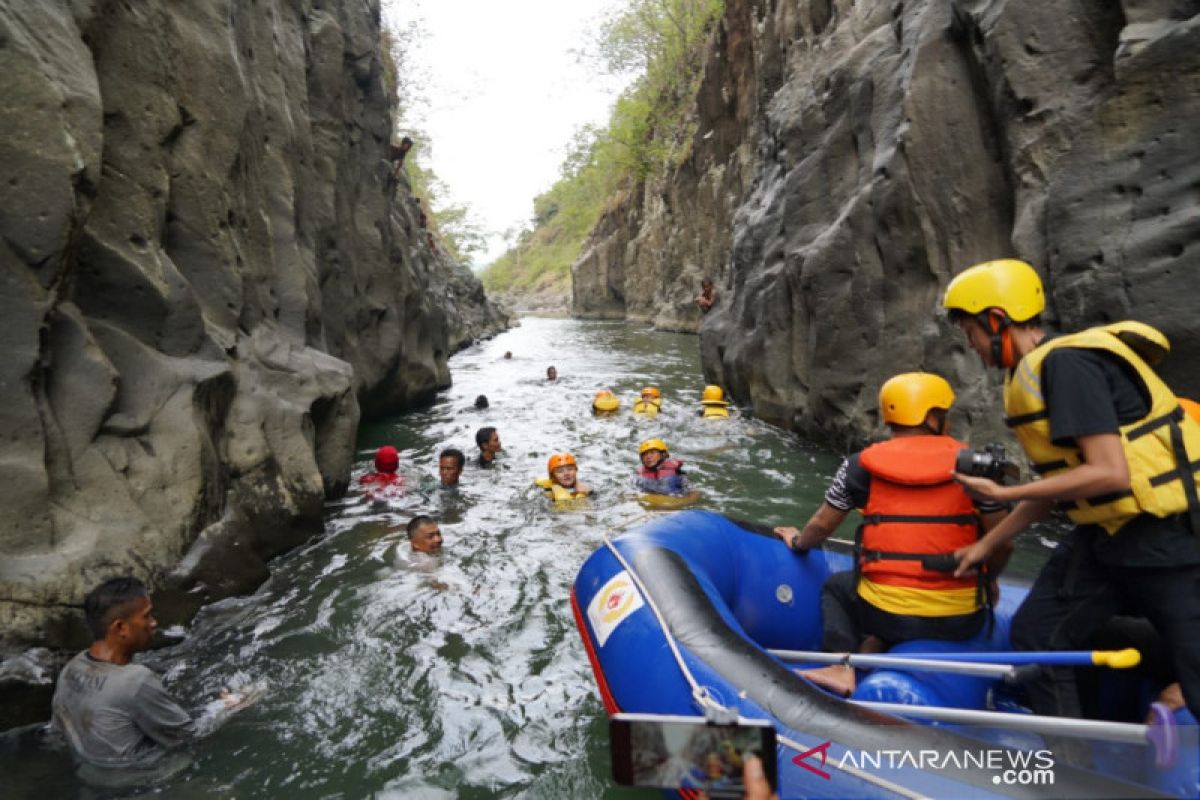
x=703 y=697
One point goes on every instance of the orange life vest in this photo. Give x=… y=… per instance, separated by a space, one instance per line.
x=916 y=513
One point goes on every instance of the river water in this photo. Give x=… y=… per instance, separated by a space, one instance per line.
x=461 y=676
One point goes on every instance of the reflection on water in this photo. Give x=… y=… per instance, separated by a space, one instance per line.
x=461 y=675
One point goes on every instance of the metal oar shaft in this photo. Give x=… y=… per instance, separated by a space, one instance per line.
x=898 y=662
x=1066 y=726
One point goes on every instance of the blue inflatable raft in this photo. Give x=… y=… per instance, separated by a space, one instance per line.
x=681 y=614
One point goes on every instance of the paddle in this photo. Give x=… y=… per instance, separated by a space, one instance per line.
x=1005 y=672
x=1113 y=659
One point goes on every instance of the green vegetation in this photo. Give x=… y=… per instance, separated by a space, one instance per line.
x=661 y=42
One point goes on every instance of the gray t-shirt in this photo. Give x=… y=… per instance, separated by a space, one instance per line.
x=117 y=716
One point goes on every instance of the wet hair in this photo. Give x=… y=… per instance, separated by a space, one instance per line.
x=406 y=141
x=456 y=454
x=110 y=601
x=482 y=435
x=706 y=282
x=416 y=522
x=481 y=401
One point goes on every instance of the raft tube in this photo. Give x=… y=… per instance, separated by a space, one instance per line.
x=727 y=594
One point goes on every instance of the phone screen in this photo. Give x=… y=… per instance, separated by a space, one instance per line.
x=686 y=752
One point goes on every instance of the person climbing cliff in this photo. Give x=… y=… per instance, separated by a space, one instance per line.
x=398 y=152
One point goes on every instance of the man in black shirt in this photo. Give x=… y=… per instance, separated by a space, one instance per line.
x=1107 y=435
x=489 y=444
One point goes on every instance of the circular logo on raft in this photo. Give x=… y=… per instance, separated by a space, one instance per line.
x=616 y=600
x=612 y=605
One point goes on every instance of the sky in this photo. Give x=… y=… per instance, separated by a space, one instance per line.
x=504 y=92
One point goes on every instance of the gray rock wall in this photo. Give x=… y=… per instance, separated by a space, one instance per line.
x=206 y=274
x=890 y=145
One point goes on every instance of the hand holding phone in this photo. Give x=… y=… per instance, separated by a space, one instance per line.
x=668 y=752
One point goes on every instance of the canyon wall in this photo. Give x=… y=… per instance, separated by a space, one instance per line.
x=852 y=157
x=207 y=274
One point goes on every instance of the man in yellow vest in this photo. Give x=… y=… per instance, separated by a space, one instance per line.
x=914 y=518
x=1109 y=439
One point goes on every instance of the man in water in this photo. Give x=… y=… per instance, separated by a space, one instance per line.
x=424 y=535
x=489 y=444
x=115 y=714
x=450 y=467
x=551 y=374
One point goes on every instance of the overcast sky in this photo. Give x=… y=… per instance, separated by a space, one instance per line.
x=505 y=94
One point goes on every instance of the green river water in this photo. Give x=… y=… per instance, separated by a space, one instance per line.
x=464 y=677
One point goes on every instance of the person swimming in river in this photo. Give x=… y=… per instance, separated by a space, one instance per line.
x=649 y=402
x=658 y=472
x=713 y=404
x=605 y=404
x=121 y=724
x=563 y=485
x=385 y=479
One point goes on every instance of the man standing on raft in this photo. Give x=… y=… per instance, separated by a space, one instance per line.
x=914 y=518
x=1108 y=437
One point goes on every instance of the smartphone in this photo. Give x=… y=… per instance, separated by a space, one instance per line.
x=666 y=752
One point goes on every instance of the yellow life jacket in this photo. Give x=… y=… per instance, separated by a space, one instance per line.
x=1154 y=445
x=561 y=496
x=647 y=407
x=715 y=410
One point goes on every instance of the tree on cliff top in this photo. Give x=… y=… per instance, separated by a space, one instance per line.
x=663 y=43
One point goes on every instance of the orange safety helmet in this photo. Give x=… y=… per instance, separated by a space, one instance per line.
x=652 y=391
x=559 y=460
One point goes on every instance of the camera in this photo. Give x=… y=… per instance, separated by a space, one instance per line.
x=990 y=462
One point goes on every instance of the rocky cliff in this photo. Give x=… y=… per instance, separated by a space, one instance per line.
x=851 y=157
x=207 y=273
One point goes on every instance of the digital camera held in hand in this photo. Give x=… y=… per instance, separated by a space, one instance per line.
x=990 y=462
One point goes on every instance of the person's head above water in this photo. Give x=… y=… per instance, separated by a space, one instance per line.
x=119 y=616
x=424 y=534
x=551 y=374
x=387 y=459
x=652 y=452
x=450 y=466
x=488 y=441
x=651 y=394
x=481 y=402
x=562 y=469
x=508 y=353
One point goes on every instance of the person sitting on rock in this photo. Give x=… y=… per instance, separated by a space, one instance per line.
x=649 y=402
x=488 y=441
x=563 y=486
x=424 y=535
x=398 y=152
x=707 y=296
x=385 y=479
x=915 y=516
x=116 y=716
x=659 y=473
x=605 y=404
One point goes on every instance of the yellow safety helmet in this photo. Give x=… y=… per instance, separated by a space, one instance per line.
x=906 y=399
x=558 y=460
x=653 y=444
x=712 y=394
x=652 y=391
x=606 y=401
x=1008 y=284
